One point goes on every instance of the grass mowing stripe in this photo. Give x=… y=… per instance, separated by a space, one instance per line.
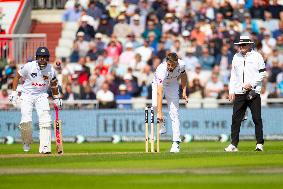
x=142 y=181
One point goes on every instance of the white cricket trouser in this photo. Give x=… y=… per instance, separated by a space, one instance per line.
x=171 y=93
x=41 y=104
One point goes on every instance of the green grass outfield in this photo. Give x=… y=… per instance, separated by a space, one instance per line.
x=124 y=165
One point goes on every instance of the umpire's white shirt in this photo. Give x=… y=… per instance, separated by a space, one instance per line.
x=247 y=69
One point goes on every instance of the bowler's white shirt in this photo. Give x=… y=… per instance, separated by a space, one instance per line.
x=36 y=81
x=164 y=77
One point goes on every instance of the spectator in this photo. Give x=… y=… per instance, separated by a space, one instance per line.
x=153 y=42
x=72 y=14
x=275 y=70
x=224 y=94
x=137 y=64
x=122 y=29
x=87 y=93
x=250 y=24
x=177 y=48
x=170 y=24
x=145 y=51
x=224 y=61
x=268 y=43
x=196 y=89
x=197 y=74
x=213 y=87
x=188 y=22
x=93 y=53
x=206 y=60
x=132 y=86
x=190 y=59
x=69 y=95
x=275 y=8
x=93 y=10
x=132 y=39
x=4 y=99
x=86 y=28
x=257 y=10
x=151 y=28
x=226 y=9
x=198 y=35
x=101 y=67
x=270 y=23
x=186 y=40
x=146 y=76
x=113 y=9
x=100 y=45
x=105 y=97
x=123 y=95
x=84 y=73
x=279 y=31
x=137 y=27
x=80 y=47
x=113 y=49
x=105 y=25
x=275 y=57
x=161 y=53
x=127 y=56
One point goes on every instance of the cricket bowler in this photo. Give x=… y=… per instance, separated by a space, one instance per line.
x=166 y=83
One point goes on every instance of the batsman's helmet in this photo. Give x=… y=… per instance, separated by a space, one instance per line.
x=42 y=56
x=42 y=51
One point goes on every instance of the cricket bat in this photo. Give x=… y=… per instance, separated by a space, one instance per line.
x=58 y=131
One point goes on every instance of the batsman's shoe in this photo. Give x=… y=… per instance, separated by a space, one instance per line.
x=46 y=150
x=26 y=147
x=231 y=148
x=259 y=147
x=175 y=147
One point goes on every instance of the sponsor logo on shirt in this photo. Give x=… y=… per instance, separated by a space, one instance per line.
x=33 y=75
x=38 y=84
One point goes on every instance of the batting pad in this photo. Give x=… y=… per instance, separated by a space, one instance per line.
x=26 y=132
x=44 y=138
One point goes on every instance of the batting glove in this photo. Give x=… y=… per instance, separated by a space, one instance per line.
x=58 y=102
x=13 y=98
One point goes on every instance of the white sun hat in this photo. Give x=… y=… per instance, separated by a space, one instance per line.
x=244 y=40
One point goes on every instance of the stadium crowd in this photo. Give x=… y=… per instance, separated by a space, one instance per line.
x=119 y=44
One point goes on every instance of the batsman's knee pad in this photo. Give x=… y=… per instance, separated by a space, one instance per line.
x=44 y=118
x=26 y=132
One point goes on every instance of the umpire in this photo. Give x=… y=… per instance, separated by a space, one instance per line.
x=248 y=71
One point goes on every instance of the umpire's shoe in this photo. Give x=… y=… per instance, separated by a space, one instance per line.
x=231 y=148
x=259 y=147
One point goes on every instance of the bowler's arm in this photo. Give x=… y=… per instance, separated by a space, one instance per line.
x=184 y=84
x=159 y=101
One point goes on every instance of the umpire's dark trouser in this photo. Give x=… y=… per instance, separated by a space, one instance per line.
x=239 y=110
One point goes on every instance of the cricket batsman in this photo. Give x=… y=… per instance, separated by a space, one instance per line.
x=37 y=75
x=166 y=83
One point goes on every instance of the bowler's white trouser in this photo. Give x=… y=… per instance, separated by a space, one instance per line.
x=41 y=104
x=171 y=93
